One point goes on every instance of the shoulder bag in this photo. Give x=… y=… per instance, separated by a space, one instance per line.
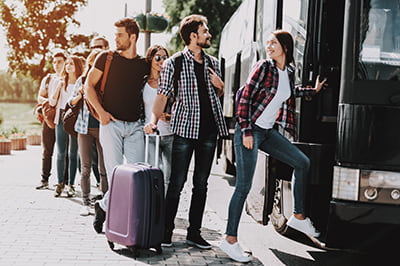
x=71 y=115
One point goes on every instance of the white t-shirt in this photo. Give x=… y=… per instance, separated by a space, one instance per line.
x=62 y=100
x=268 y=116
x=149 y=96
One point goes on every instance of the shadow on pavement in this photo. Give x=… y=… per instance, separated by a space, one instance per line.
x=327 y=258
x=183 y=254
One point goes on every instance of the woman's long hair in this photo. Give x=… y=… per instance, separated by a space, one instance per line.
x=286 y=41
x=78 y=63
x=91 y=59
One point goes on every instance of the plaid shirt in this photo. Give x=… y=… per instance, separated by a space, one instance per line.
x=82 y=122
x=260 y=89
x=185 y=121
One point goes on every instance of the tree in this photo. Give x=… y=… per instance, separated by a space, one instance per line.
x=36 y=27
x=217 y=12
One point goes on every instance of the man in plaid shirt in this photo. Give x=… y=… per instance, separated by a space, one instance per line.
x=197 y=121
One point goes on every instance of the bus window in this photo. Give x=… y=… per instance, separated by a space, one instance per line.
x=380 y=41
x=295 y=22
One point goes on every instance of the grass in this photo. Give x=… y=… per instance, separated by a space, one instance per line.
x=19 y=115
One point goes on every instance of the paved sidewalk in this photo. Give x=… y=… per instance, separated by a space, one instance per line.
x=38 y=229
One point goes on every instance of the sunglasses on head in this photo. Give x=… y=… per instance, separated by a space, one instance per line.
x=97 y=46
x=158 y=57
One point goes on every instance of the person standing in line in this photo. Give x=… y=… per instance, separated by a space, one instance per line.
x=48 y=87
x=268 y=99
x=99 y=43
x=64 y=141
x=196 y=121
x=87 y=128
x=155 y=56
x=120 y=114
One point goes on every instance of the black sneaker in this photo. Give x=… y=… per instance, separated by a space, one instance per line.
x=97 y=197
x=43 y=185
x=99 y=218
x=167 y=242
x=197 y=241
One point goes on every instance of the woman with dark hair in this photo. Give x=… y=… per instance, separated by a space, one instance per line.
x=156 y=56
x=73 y=70
x=87 y=128
x=268 y=100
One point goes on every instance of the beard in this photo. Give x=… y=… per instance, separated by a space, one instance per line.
x=123 y=46
x=205 y=44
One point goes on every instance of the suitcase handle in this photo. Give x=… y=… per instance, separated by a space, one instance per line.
x=146 y=148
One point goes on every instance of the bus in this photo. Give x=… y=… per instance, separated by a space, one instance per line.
x=350 y=131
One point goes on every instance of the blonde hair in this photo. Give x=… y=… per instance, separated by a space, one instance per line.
x=91 y=59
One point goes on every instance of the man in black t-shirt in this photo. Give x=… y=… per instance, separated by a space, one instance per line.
x=121 y=128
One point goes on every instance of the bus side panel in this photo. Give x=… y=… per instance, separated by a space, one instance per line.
x=361 y=226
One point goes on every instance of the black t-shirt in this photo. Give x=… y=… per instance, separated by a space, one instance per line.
x=123 y=89
x=207 y=120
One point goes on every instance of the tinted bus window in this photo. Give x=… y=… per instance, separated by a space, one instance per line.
x=380 y=40
x=295 y=21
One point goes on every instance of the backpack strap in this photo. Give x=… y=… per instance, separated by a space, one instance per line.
x=110 y=54
x=48 y=79
x=46 y=84
x=178 y=59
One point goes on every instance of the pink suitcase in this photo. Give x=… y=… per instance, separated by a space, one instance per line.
x=135 y=215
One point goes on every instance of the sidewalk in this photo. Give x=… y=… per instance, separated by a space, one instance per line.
x=38 y=229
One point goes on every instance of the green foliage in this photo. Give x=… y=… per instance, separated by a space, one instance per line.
x=19 y=117
x=34 y=28
x=18 y=87
x=217 y=12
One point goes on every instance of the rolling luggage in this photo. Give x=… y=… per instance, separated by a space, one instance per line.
x=135 y=215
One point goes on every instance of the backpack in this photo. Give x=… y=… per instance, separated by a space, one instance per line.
x=39 y=107
x=100 y=93
x=238 y=95
x=177 y=71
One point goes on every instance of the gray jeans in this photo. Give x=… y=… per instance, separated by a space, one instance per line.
x=85 y=142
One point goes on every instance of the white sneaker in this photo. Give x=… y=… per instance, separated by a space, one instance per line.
x=234 y=251
x=85 y=210
x=305 y=226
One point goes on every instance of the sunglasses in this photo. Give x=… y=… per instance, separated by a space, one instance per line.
x=97 y=46
x=158 y=57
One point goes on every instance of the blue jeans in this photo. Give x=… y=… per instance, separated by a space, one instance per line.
x=120 y=139
x=182 y=151
x=65 y=141
x=165 y=156
x=277 y=146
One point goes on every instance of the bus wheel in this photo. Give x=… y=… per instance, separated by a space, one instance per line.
x=278 y=219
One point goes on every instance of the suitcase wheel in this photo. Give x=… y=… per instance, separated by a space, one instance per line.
x=134 y=251
x=111 y=245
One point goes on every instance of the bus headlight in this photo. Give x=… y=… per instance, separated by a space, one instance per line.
x=382 y=179
x=345 y=183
